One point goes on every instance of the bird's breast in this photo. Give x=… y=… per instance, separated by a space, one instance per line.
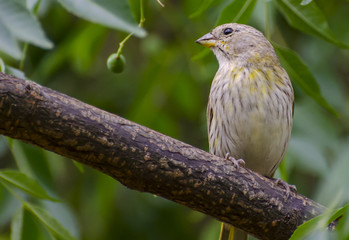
x=249 y=115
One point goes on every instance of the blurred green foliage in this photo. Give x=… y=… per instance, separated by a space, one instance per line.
x=64 y=45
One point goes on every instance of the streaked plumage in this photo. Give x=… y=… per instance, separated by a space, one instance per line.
x=250 y=107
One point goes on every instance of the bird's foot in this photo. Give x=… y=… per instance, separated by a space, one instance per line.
x=236 y=163
x=288 y=187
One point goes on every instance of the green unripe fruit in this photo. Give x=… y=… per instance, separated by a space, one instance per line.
x=116 y=63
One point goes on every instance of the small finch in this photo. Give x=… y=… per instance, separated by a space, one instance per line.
x=250 y=107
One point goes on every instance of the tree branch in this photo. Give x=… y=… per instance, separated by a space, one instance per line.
x=148 y=161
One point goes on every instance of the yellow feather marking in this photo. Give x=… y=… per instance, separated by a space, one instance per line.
x=255 y=58
x=230 y=106
x=264 y=89
x=253 y=75
x=252 y=88
x=237 y=75
x=216 y=78
x=219 y=119
x=272 y=76
x=216 y=141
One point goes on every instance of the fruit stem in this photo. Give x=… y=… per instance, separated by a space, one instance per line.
x=25 y=46
x=267 y=25
x=141 y=22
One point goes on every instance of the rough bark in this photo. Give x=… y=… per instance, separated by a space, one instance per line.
x=148 y=161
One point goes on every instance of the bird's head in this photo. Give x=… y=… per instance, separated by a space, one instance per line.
x=238 y=42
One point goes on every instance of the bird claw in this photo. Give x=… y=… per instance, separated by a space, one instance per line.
x=237 y=163
x=288 y=187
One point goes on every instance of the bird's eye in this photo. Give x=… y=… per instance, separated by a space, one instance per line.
x=228 y=31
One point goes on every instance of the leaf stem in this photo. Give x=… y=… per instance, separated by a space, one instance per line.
x=142 y=19
x=13 y=192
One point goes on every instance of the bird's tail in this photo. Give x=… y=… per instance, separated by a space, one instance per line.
x=228 y=232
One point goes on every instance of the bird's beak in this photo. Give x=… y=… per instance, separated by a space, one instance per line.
x=207 y=40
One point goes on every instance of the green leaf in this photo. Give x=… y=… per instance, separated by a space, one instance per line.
x=17 y=224
x=34 y=229
x=22 y=24
x=15 y=72
x=308 y=18
x=8 y=43
x=318 y=223
x=79 y=166
x=305 y=2
x=337 y=213
x=25 y=183
x=203 y=7
x=113 y=14
x=237 y=11
x=343 y=223
x=15 y=145
x=51 y=223
x=86 y=46
x=33 y=4
x=306 y=228
x=301 y=74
